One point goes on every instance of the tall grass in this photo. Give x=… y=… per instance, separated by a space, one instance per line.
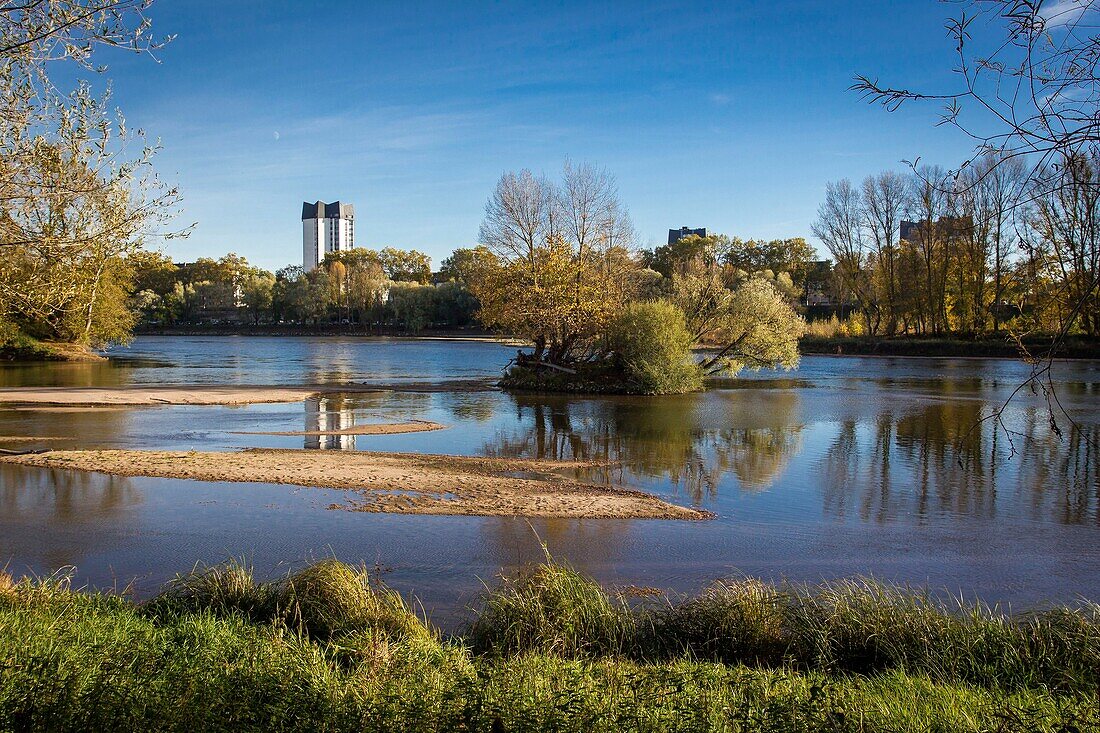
x=551 y=609
x=328 y=649
x=835 y=327
x=322 y=601
x=842 y=627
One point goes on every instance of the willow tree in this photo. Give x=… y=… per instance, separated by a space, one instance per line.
x=560 y=266
x=64 y=275
x=747 y=324
x=77 y=190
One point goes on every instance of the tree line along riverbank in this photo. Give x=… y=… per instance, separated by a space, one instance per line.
x=1003 y=346
x=988 y=347
x=331 y=648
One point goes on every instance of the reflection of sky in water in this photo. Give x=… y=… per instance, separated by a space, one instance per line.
x=845 y=466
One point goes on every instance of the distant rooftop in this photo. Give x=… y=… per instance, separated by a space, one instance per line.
x=675 y=235
x=321 y=210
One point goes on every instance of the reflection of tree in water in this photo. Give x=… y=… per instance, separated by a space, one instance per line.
x=71 y=497
x=941 y=459
x=690 y=440
x=584 y=544
x=1063 y=475
x=476 y=406
x=68 y=374
x=95 y=426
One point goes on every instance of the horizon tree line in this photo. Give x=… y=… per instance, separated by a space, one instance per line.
x=976 y=250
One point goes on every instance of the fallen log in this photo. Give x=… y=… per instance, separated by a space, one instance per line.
x=567 y=370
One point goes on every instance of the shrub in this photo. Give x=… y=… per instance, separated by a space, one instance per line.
x=833 y=327
x=652 y=344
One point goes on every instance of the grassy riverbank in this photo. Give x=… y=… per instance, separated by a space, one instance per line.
x=327 y=649
x=15 y=346
x=987 y=346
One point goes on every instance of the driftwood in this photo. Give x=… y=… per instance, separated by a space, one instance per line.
x=529 y=360
x=6 y=452
x=567 y=370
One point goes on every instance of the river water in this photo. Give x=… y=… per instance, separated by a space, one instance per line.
x=846 y=466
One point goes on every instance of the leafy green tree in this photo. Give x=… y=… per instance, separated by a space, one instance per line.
x=667 y=258
x=257 y=289
x=406 y=265
x=792 y=256
x=465 y=264
x=289 y=293
x=561 y=266
x=751 y=325
x=455 y=305
x=651 y=342
x=413 y=305
x=65 y=274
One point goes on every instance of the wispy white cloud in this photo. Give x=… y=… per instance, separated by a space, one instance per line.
x=1066 y=12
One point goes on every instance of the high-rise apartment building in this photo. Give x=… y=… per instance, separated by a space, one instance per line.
x=326 y=228
x=675 y=235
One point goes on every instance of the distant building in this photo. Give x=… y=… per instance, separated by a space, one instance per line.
x=326 y=228
x=948 y=227
x=908 y=230
x=675 y=235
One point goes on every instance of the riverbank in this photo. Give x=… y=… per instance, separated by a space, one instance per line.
x=24 y=348
x=400 y=483
x=330 y=329
x=985 y=347
x=328 y=648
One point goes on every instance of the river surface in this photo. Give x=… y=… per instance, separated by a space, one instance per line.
x=846 y=466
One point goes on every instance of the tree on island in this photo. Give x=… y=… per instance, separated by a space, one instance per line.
x=558 y=268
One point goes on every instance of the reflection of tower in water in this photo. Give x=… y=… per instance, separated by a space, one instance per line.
x=328 y=415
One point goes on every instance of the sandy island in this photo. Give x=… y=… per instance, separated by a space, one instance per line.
x=403 y=483
x=213 y=394
x=237 y=394
x=384 y=428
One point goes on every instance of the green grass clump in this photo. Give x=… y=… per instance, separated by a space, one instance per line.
x=326 y=649
x=551 y=609
x=733 y=622
x=842 y=627
x=221 y=589
x=329 y=598
x=321 y=601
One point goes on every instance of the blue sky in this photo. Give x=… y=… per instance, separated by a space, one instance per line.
x=729 y=115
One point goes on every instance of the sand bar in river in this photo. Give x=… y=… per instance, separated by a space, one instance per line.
x=378 y=428
x=404 y=483
x=205 y=394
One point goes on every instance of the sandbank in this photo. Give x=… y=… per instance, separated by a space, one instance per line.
x=402 y=483
x=236 y=394
x=392 y=428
